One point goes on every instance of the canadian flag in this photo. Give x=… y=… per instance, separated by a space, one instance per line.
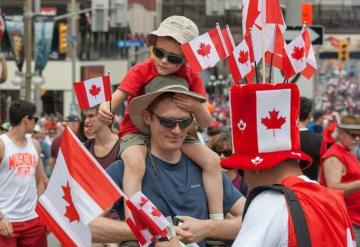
x=206 y=50
x=311 y=64
x=241 y=61
x=147 y=223
x=79 y=190
x=294 y=58
x=228 y=39
x=92 y=92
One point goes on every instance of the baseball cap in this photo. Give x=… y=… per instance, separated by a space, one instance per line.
x=180 y=28
x=72 y=118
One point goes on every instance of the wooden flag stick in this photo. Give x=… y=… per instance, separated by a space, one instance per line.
x=108 y=73
x=263 y=43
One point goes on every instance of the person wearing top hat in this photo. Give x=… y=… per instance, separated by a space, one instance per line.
x=168 y=59
x=341 y=168
x=266 y=147
x=172 y=181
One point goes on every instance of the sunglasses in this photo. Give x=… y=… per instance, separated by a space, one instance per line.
x=353 y=135
x=225 y=152
x=33 y=117
x=171 y=58
x=171 y=123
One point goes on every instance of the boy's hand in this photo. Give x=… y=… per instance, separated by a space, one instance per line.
x=191 y=230
x=174 y=242
x=6 y=229
x=104 y=113
x=187 y=103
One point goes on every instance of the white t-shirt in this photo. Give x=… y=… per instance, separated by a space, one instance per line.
x=18 y=194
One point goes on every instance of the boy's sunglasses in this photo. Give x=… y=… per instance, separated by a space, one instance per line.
x=33 y=117
x=171 y=58
x=171 y=123
x=225 y=152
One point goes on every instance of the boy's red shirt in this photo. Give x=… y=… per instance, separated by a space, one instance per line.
x=139 y=75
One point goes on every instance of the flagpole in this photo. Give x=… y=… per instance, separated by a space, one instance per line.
x=271 y=62
x=108 y=73
x=263 y=42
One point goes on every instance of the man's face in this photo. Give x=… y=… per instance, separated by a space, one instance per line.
x=92 y=122
x=166 y=139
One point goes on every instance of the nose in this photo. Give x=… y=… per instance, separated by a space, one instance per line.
x=176 y=129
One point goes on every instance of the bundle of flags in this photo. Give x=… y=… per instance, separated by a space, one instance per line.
x=263 y=29
x=80 y=190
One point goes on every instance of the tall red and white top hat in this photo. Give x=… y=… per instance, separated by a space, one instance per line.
x=265 y=130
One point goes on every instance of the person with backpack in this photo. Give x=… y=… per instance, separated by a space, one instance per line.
x=284 y=207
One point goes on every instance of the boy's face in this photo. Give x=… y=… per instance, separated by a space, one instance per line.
x=163 y=66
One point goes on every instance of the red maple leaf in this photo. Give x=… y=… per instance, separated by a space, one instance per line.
x=143 y=201
x=94 y=90
x=298 y=53
x=155 y=212
x=204 y=50
x=71 y=212
x=243 y=57
x=274 y=121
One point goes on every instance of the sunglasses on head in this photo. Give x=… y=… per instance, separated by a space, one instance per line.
x=33 y=117
x=171 y=123
x=225 y=152
x=171 y=58
x=353 y=135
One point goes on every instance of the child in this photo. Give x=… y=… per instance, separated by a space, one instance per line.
x=168 y=60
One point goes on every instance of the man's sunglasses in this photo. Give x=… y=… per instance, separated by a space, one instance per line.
x=171 y=123
x=225 y=152
x=171 y=58
x=33 y=117
x=353 y=135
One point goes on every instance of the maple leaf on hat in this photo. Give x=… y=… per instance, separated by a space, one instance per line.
x=71 y=212
x=273 y=121
x=204 y=49
x=298 y=53
x=243 y=57
x=94 y=90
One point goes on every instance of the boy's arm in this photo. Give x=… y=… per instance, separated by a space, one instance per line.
x=200 y=109
x=118 y=97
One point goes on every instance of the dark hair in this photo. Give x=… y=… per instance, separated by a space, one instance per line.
x=19 y=109
x=305 y=108
x=219 y=140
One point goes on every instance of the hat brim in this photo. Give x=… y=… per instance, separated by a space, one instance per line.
x=151 y=38
x=353 y=128
x=268 y=160
x=139 y=104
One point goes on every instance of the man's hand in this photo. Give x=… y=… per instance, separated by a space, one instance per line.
x=6 y=229
x=187 y=103
x=192 y=230
x=104 y=113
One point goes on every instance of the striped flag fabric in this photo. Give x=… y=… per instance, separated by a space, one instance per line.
x=79 y=190
x=206 y=50
x=311 y=65
x=92 y=92
x=228 y=39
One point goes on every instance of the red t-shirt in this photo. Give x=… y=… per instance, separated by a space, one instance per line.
x=325 y=214
x=139 y=75
x=352 y=166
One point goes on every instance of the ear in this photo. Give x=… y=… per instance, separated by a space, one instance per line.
x=146 y=117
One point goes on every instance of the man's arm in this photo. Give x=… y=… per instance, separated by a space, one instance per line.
x=194 y=230
x=105 y=230
x=40 y=175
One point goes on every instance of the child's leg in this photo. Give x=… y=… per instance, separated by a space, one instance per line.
x=209 y=161
x=134 y=158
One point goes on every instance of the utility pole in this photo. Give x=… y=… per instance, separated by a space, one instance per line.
x=28 y=47
x=73 y=43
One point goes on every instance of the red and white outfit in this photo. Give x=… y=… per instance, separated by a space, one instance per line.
x=267 y=221
x=138 y=76
x=18 y=194
x=352 y=167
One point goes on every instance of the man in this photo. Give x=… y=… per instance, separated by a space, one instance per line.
x=73 y=122
x=172 y=181
x=105 y=144
x=311 y=142
x=22 y=179
x=267 y=148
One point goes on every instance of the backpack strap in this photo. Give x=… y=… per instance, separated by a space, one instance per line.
x=296 y=211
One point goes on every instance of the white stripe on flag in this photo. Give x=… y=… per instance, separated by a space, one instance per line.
x=52 y=200
x=205 y=61
x=94 y=85
x=266 y=102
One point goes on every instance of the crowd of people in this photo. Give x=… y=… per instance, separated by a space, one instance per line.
x=259 y=178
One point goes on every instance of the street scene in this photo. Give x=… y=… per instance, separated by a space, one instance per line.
x=179 y=123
